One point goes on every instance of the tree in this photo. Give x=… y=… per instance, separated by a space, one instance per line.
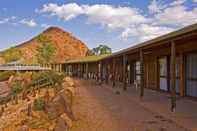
x=45 y=53
x=101 y=50
x=16 y=89
x=90 y=53
x=12 y=54
x=104 y=49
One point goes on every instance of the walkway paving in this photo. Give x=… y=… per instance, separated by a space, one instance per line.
x=99 y=108
x=158 y=102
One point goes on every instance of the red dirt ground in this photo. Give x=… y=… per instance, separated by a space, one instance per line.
x=100 y=109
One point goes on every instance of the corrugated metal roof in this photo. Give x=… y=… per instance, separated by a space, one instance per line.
x=87 y=59
x=172 y=35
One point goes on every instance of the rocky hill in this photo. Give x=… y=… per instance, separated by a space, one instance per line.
x=67 y=46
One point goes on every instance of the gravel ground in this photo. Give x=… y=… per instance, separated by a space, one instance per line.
x=100 y=109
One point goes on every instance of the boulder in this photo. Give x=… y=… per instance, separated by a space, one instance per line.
x=61 y=103
x=61 y=125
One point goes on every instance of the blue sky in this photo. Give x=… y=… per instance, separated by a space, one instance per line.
x=116 y=23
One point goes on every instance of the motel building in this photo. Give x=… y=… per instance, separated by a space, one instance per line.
x=167 y=64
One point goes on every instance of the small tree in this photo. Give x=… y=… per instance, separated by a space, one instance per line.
x=101 y=50
x=90 y=53
x=16 y=89
x=45 y=53
x=12 y=54
x=104 y=49
x=39 y=104
x=57 y=80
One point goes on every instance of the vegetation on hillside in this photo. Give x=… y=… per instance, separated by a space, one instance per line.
x=12 y=54
x=43 y=38
x=46 y=51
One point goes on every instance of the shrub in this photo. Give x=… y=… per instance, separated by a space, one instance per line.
x=16 y=88
x=57 y=78
x=5 y=75
x=39 y=104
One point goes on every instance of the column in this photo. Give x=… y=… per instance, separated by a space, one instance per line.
x=124 y=72
x=142 y=74
x=87 y=71
x=113 y=72
x=173 y=76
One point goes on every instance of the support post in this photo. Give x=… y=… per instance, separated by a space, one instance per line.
x=87 y=71
x=107 y=72
x=100 y=72
x=182 y=75
x=142 y=74
x=124 y=72
x=173 y=77
x=113 y=73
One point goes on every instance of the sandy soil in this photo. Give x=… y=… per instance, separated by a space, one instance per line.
x=100 y=109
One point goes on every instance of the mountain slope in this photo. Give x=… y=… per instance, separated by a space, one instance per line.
x=67 y=46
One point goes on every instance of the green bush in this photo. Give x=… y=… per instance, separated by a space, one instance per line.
x=16 y=88
x=57 y=78
x=5 y=75
x=50 y=77
x=39 y=104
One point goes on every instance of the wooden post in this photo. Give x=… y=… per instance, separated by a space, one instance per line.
x=113 y=72
x=107 y=72
x=124 y=72
x=182 y=75
x=60 y=67
x=142 y=74
x=173 y=76
x=87 y=71
x=100 y=72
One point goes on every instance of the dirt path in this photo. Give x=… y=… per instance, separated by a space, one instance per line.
x=100 y=109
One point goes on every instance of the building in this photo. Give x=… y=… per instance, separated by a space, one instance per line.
x=167 y=63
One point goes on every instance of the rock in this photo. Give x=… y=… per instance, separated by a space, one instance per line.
x=67 y=119
x=61 y=125
x=62 y=103
x=117 y=92
x=23 y=128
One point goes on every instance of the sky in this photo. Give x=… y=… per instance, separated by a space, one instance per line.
x=116 y=23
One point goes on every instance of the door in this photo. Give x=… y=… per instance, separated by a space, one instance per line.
x=137 y=71
x=191 y=75
x=163 y=81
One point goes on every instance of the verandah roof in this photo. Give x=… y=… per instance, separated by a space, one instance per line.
x=170 y=36
x=87 y=59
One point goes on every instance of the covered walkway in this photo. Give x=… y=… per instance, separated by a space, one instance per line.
x=100 y=108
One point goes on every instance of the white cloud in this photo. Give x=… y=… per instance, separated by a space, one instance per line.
x=145 y=32
x=107 y=15
x=30 y=23
x=65 y=11
x=195 y=1
x=13 y=17
x=177 y=16
x=5 y=20
x=45 y=25
x=131 y=22
x=154 y=7
x=177 y=2
x=113 y=17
